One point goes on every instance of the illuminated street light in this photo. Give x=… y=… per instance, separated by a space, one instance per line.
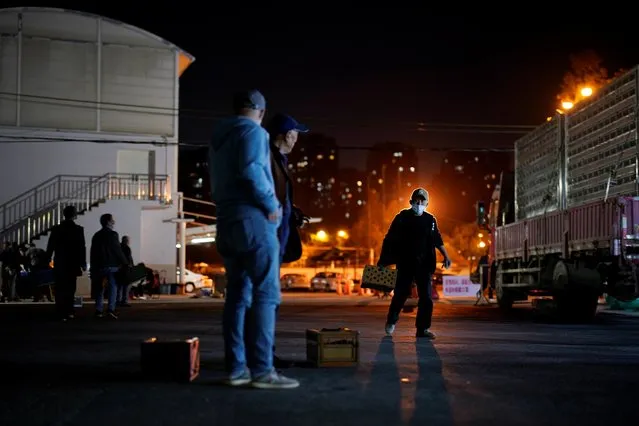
x=321 y=235
x=342 y=234
x=586 y=91
x=566 y=105
x=480 y=235
x=359 y=183
x=481 y=244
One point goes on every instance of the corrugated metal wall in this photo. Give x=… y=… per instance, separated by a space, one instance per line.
x=65 y=67
x=602 y=137
x=567 y=162
x=537 y=160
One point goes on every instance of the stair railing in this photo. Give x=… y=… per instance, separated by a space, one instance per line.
x=35 y=212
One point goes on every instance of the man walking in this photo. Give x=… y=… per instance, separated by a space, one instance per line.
x=248 y=216
x=106 y=260
x=66 y=241
x=410 y=244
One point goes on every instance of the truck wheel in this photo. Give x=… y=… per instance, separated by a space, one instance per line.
x=577 y=305
x=504 y=297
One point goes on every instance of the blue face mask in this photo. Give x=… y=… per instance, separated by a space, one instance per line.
x=418 y=209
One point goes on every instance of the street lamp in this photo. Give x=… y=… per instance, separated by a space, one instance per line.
x=566 y=105
x=586 y=91
x=321 y=235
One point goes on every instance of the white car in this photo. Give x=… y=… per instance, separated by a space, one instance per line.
x=193 y=281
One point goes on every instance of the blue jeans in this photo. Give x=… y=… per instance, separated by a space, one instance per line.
x=123 y=293
x=109 y=274
x=251 y=253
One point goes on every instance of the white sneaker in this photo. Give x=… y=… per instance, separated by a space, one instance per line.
x=390 y=329
x=274 y=381
x=240 y=379
x=426 y=333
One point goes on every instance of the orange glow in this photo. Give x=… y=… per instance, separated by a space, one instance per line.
x=585 y=76
x=183 y=63
x=586 y=91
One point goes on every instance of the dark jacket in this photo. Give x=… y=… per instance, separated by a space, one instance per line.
x=127 y=253
x=291 y=214
x=67 y=244
x=106 y=251
x=411 y=240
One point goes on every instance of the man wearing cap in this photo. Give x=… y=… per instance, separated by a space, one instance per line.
x=248 y=216
x=410 y=244
x=283 y=132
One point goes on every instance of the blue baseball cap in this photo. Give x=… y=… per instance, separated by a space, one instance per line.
x=252 y=99
x=283 y=123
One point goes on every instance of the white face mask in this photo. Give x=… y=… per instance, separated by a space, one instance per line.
x=285 y=148
x=418 y=209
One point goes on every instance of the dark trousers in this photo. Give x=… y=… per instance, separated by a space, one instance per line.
x=403 y=287
x=65 y=286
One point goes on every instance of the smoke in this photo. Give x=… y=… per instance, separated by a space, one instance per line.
x=586 y=71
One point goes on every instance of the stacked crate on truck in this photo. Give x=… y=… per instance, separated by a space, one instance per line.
x=576 y=221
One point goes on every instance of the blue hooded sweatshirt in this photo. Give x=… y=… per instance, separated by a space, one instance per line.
x=240 y=170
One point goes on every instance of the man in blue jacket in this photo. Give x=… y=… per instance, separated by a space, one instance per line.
x=248 y=215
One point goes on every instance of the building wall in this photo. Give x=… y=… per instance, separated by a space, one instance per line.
x=26 y=165
x=82 y=72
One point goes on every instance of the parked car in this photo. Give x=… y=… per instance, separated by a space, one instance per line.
x=193 y=281
x=295 y=282
x=328 y=281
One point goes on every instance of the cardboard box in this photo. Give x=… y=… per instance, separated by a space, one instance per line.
x=332 y=347
x=171 y=359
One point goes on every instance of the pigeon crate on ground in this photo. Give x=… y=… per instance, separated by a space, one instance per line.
x=171 y=359
x=338 y=347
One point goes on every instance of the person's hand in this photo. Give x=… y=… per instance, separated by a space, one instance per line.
x=275 y=215
x=447 y=263
x=305 y=220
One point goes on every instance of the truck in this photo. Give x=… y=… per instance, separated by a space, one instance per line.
x=565 y=224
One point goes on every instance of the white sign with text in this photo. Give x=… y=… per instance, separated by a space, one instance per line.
x=459 y=286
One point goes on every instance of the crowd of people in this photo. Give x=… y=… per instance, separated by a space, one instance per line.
x=30 y=272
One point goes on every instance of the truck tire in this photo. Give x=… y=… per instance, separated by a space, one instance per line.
x=577 y=305
x=575 y=302
x=505 y=299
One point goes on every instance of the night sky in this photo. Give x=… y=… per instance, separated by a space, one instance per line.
x=370 y=75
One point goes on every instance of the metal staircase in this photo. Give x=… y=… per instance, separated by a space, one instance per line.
x=33 y=213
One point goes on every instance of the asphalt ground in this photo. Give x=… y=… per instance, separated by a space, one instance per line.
x=484 y=368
